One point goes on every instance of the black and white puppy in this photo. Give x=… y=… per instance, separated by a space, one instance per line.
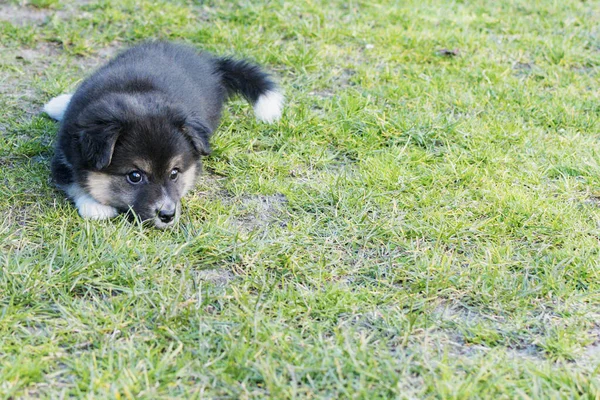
x=132 y=134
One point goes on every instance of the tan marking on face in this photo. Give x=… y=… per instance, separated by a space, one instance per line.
x=144 y=165
x=98 y=185
x=176 y=162
x=188 y=179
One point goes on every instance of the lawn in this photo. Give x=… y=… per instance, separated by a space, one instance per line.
x=424 y=222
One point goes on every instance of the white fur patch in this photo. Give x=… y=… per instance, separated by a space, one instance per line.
x=87 y=206
x=56 y=107
x=269 y=106
x=91 y=209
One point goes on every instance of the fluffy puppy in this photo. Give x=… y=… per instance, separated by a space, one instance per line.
x=132 y=134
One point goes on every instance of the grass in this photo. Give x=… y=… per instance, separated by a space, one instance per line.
x=423 y=223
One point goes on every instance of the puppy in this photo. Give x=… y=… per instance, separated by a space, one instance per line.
x=132 y=134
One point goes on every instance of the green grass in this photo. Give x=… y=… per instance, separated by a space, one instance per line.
x=418 y=225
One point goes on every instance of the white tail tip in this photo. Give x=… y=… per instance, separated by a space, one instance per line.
x=269 y=106
x=56 y=107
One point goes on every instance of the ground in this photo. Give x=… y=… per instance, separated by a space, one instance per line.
x=424 y=222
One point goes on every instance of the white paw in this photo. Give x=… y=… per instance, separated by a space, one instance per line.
x=269 y=106
x=56 y=107
x=91 y=209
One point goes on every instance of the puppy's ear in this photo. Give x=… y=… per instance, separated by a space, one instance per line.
x=198 y=134
x=99 y=127
x=97 y=144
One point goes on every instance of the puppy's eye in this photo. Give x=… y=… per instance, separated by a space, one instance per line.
x=174 y=174
x=134 y=177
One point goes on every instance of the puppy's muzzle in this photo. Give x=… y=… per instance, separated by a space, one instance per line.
x=166 y=211
x=166 y=216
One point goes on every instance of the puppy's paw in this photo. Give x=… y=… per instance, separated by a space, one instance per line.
x=91 y=209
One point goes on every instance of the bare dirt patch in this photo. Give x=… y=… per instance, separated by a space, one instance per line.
x=522 y=69
x=23 y=15
x=217 y=277
x=591 y=353
x=259 y=212
x=210 y=186
x=250 y=212
x=593 y=200
x=23 y=66
x=27 y=69
x=453 y=313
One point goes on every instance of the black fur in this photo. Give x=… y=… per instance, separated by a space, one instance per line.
x=156 y=100
x=244 y=78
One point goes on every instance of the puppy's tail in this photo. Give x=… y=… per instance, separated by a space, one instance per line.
x=56 y=107
x=255 y=85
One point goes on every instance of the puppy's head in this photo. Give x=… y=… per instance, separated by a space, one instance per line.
x=141 y=153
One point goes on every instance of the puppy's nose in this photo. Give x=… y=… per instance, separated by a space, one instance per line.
x=166 y=216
